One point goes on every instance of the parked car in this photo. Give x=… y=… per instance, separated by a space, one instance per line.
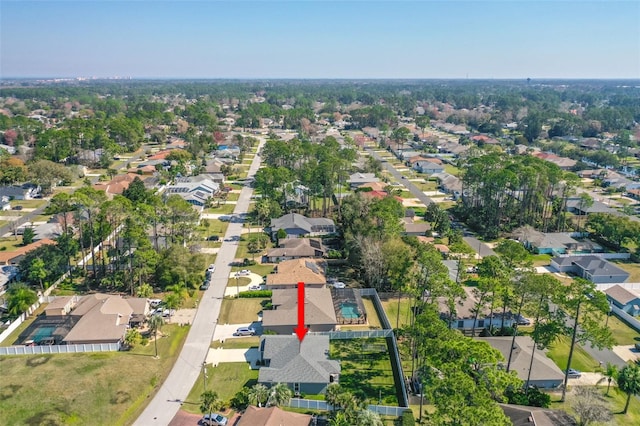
x=211 y=268
x=522 y=320
x=574 y=374
x=244 y=272
x=254 y=287
x=213 y=238
x=339 y=284
x=637 y=346
x=205 y=285
x=214 y=419
x=154 y=302
x=168 y=312
x=245 y=331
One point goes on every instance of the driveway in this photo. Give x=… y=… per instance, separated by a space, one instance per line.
x=588 y=379
x=250 y=356
x=626 y=352
x=225 y=331
x=232 y=289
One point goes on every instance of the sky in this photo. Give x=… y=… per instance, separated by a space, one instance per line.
x=512 y=39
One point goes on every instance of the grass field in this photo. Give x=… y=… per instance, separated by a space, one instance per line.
x=366 y=369
x=391 y=308
x=622 y=333
x=223 y=209
x=109 y=388
x=559 y=353
x=372 y=315
x=631 y=268
x=616 y=399
x=237 y=311
x=226 y=380
x=10 y=243
x=243 y=343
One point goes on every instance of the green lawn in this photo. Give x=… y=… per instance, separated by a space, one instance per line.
x=631 y=268
x=366 y=369
x=226 y=380
x=372 y=315
x=616 y=398
x=213 y=227
x=559 y=353
x=109 y=388
x=391 y=308
x=622 y=333
x=236 y=311
x=241 y=343
x=10 y=243
x=223 y=209
x=29 y=204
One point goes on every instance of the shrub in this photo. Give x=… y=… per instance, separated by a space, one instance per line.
x=255 y=293
x=407 y=419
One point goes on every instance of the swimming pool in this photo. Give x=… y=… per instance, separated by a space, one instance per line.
x=349 y=310
x=43 y=333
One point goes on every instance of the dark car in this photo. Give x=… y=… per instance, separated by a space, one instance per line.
x=213 y=238
x=205 y=285
x=574 y=374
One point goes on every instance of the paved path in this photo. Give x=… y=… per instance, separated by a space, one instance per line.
x=186 y=370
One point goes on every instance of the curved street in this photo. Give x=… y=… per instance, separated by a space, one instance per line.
x=185 y=372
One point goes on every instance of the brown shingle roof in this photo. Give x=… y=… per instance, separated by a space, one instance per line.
x=7 y=256
x=291 y=272
x=272 y=416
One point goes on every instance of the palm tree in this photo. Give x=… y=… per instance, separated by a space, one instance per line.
x=209 y=402
x=610 y=374
x=155 y=322
x=19 y=299
x=331 y=395
x=339 y=419
x=258 y=393
x=279 y=394
x=629 y=382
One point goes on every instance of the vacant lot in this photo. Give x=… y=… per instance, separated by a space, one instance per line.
x=109 y=388
x=240 y=311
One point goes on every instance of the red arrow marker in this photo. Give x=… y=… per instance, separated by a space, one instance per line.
x=301 y=330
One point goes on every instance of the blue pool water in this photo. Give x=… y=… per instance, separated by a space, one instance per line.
x=42 y=333
x=349 y=310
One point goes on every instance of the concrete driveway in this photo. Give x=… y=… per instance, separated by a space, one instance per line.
x=250 y=356
x=225 y=331
x=627 y=353
x=232 y=290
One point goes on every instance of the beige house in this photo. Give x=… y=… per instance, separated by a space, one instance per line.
x=272 y=416
x=319 y=313
x=103 y=318
x=61 y=306
x=295 y=248
x=290 y=272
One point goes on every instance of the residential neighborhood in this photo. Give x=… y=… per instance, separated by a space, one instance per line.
x=356 y=264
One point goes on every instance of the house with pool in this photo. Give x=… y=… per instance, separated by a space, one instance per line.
x=319 y=311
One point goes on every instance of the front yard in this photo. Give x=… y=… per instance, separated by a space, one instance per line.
x=240 y=311
x=108 y=388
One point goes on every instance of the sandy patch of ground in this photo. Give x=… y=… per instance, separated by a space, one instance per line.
x=182 y=316
x=217 y=356
x=210 y=250
x=626 y=352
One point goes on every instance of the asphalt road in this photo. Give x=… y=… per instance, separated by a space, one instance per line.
x=166 y=403
x=415 y=191
x=481 y=248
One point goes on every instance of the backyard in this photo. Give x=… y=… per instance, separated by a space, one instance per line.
x=108 y=388
x=366 y=369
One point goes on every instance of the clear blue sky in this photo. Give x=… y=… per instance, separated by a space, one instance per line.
x=320 y=39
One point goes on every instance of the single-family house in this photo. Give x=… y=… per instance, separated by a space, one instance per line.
x=462 y=317
x=415 y=228
x=102 y=318
x=289 y=273
x=626 y=299
x=296 y=248
x=545 y=374
x=546 y=242
x=196 y=190
x=427 y=167
x=296 y=225
x=590 y=267
x=14 y=257
x=449 y=183
x=521 y=415
x=117 y=185
x=357 y=179
x=272 y=416
x=304 y=365
x=319 y=313
x=27 y=191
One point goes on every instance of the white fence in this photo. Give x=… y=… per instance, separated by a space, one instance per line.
x=628 y=286
x=344 y=335
x=59 y=349
x=311 y=404
x=633 y=322
x=19 y=320
x=602 y=255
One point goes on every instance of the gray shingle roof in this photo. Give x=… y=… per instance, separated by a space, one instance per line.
x=318 y=308
x=292 y=361
x=621 y=294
